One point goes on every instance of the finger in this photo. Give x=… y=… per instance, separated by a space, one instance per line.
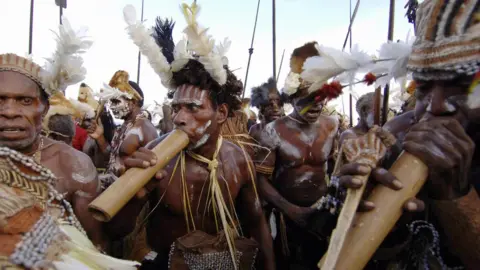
x=161 y=175
x=145 y=157
x=428 y=153
x=414 y=205
x=354 y=169
x=348 y=181
x=365 y=206
x=386 y=178
x=457 y=135
x=142 y=193
x=151 y=155
x=136 y=163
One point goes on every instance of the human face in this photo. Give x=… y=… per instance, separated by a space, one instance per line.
x=273 y=110
x=121 y=107
x=21 y=111
x=82 y=95
x=194 y=113
x=312 y=115
x=444 y=98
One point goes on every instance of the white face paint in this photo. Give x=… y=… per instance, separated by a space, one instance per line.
x=370 y=120
x=448 y=107
x=120 y=109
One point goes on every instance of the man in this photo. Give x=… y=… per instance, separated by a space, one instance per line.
x=126 y=104
x=269 y=103
x=300 y=146
x=201 y=103
x=444 y=60
x=365 y=110
x=24 y=103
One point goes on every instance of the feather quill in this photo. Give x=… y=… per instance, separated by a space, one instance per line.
x=181 y=56
x=65 y=67
x=147 y=45
x=203 y=45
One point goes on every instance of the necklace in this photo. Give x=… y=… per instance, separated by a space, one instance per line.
x=37 y=156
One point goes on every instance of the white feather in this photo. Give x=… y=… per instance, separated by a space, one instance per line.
x=108 y=93
x=147 y=45
x=203 y=45
x=181 y=56
x=65 y=67
x=397 y=53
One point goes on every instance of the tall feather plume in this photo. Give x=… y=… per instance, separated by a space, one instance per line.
x=147 y=45
x=162 y=33
x=65 y=67
x=203 y=45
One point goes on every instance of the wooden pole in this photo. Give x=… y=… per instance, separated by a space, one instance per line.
x=139 y=54
x=30 y=34
x=350 y=99
x=61 y=14
x=274 y=42
x=281 y=63
x=386 y=90
x=250 y=51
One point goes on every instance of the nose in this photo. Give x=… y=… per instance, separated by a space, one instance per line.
x=8 y=109
x=180 y=118
x=438 y=103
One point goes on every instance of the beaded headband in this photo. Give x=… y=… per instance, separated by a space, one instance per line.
x=448 y=39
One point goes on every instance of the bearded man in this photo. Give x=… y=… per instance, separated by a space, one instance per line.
x=365 y=109
x=293 y=178
x=24 y=103
x=202 y=100
x=269 y=103
x=444 y=60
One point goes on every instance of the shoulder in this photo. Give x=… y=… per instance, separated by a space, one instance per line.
x=329 y=122
x=270 y=135
x=77 y=160
x=347 y=134
x=237 y=159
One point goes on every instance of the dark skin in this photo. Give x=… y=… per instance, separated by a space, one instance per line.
x=141 y=133
x=437 y=136
x=301 y=145
x=364 y=124
x=195 y=114
x=21 y=113
x=269 y=113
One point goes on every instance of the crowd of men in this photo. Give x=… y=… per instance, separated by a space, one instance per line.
x=243 y=194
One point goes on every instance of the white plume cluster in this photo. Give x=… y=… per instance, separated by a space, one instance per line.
x=65 y=67
x=108 y=93
x=147 y=45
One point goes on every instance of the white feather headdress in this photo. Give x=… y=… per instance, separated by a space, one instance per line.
x=108 y=93
x=65 y=67
x=198 y=45
x=146 y=43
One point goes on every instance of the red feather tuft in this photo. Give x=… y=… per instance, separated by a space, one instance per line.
x=370 y=78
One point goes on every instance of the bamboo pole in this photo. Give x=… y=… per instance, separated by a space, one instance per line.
x=116 y=196
x=274 y=41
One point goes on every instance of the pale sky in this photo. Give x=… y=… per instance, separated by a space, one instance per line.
x=298 y=22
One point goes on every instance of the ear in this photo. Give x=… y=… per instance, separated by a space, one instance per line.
x=45 y=109
x=222 y=113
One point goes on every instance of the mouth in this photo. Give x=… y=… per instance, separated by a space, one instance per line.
x=312 y=114
x=12 y=132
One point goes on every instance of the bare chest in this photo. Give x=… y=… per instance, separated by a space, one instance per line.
x=310 y=146
x=189 y=188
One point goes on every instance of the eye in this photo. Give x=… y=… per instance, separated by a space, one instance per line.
x=192 y=107
x=175 y=108
x=26 y=100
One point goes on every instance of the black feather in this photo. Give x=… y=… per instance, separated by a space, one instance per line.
x=259 y=96
x=162 y=33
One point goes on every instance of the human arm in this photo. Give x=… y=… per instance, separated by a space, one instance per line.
x=256 y=223
x=167 y=119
